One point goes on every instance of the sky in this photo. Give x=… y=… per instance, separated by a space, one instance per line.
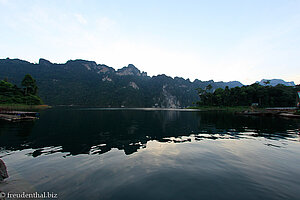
x=228 y=40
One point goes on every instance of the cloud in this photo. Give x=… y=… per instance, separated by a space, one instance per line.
x=80 y=19
x=3 y=2
x=105 y=23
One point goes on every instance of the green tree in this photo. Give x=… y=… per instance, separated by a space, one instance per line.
x=11 y=94
x=266 y=96
x=29 y=85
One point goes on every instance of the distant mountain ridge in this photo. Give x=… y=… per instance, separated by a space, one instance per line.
x=82 y=82
x=274 y=82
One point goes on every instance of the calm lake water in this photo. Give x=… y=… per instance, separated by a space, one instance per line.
x=90 y=153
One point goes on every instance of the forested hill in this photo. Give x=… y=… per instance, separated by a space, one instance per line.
x=81 y=82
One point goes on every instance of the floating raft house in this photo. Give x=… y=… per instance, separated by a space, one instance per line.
x=18 y=116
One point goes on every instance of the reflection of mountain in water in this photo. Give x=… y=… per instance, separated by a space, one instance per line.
x=97 y=132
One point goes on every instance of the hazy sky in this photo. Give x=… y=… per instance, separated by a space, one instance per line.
x=220 y=40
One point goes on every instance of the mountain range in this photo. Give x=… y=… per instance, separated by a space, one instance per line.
x=274 y=82
x=82 y=82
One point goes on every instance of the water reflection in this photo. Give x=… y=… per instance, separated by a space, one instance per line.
x=79 y=131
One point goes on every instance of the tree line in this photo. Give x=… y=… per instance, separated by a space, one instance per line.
x=12 y=94
x=255 y=94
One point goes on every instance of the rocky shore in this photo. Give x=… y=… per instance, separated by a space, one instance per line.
x=3 y=171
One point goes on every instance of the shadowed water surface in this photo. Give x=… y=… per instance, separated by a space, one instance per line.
x=92 y=153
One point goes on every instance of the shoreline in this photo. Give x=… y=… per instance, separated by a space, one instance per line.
x=23 y=107
x=287 y=112
x=223 y=108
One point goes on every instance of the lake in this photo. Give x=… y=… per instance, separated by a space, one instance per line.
x=94 y=153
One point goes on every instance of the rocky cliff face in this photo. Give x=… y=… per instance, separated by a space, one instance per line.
x=169 y=100
x=274 y=82
x=130 y=70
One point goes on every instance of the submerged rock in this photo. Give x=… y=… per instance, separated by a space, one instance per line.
x=3 y=171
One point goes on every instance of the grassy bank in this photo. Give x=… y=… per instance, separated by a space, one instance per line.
x=23 y=107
